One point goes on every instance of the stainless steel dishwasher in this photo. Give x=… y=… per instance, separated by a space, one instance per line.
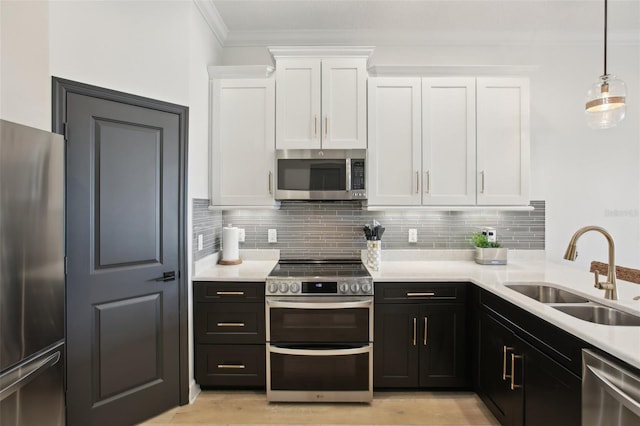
x=610 y=394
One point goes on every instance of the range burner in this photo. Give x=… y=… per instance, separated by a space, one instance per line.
x=305 y=277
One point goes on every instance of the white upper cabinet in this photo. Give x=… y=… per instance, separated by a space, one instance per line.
x=320 y=102
x=502 y=135
x=344 y=104
x=242 y=141
x=448 y=141
x=394 y=152
x=298 y=114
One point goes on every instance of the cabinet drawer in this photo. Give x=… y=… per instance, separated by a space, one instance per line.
x=419 y=292
x=207 y=291
x=229 y=323
x=231 y=365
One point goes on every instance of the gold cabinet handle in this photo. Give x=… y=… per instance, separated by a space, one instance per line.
x=482 y=181
x=230 y=324
x=427 y=182
x=428 y=294
x=326 y=126
x=415 y=323
x=270 y=183
x=425 y=331
x=230 y=293
x=505 y=349
x=513 y=371
x=231 y=366
x=315 y=126
x=417 y=182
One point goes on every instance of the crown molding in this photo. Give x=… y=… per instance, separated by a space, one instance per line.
x=283 y=52
x=450 y=70
x=213 y=19
x=239 y=71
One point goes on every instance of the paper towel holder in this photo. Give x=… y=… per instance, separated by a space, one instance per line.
x=230 y=262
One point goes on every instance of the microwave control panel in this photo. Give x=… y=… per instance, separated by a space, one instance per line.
x=357 y=176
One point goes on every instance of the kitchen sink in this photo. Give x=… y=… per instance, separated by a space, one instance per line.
x=600 y=314
x=547 y=294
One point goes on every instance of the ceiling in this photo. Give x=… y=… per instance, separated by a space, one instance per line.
x=389 y=22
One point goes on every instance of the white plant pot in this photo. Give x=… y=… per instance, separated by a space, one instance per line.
x=491 y=256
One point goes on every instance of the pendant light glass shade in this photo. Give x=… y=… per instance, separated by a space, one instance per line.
x=605 y=106
x=606 y=99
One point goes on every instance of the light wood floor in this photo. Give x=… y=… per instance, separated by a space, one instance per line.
x=387 y=408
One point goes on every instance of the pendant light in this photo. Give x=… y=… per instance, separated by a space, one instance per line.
x=606 y=105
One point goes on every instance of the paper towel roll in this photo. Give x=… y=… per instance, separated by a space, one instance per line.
x=230 y=249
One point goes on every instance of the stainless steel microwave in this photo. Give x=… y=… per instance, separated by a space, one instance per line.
x=315 y=174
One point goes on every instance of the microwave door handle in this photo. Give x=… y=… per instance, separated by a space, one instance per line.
x=348 y=180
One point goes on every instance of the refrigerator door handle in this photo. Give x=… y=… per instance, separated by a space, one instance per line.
x=20 y=375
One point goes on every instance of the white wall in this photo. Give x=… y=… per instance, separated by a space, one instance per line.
x=25 y=85
x=586 y=177
x=155 y=49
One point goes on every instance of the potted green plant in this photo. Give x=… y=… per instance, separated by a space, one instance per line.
x=488 y=252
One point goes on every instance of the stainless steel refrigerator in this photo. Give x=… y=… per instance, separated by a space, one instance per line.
x=31 y=276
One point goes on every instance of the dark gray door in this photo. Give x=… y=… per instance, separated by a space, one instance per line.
x=122 y=234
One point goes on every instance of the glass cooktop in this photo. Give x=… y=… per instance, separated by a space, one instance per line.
x=299 y=268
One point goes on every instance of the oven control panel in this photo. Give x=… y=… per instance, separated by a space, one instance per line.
x=284 y=287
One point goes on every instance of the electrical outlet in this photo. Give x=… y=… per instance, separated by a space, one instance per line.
x=241 y=235
x=413 y=235
x=272 y=236
x=200 y=243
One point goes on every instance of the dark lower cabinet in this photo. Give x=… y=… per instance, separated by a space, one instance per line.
x=419 y=339
x=230 y=365
x=522 y=379
x=229 y=334
x=496 y=345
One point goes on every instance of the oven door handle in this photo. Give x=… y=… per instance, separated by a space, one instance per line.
x=320 y=352
x=319 y=305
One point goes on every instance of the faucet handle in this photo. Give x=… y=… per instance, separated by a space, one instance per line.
x=597 y=283
x=601 y=285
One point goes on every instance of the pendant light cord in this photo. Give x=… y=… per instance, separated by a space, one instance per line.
x=605 y=37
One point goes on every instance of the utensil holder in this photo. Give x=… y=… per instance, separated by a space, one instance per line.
x=374 y=254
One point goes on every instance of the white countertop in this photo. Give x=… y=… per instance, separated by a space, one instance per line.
x=255 y=266
x=622 y=342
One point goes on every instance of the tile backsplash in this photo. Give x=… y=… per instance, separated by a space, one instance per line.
x=334 y=229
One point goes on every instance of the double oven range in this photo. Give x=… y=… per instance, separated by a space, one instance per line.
x=319 y=320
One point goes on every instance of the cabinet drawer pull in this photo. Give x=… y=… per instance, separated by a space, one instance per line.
x=270 y=183
x=231 y=366
x=513 y=371
x=230 y=293
x=230 y=324
x=505 y=349
x=415 y=321
x=425 y=331
x=417 y=182
x=482 y=182
x=428 y=294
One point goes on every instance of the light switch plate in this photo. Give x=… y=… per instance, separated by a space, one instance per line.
x=413 y=235
x=272 y=236
x=200 y=243
x=241 y=235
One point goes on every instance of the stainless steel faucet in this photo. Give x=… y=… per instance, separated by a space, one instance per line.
x=609 y=286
